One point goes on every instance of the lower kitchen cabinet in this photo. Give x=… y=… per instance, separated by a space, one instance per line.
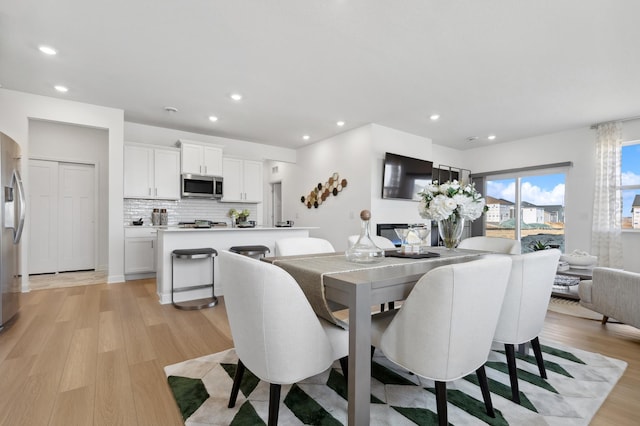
x=140 y=246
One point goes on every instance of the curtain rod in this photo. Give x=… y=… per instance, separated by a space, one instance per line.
x=622 y=120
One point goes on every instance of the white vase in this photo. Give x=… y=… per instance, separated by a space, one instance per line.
x=450 y=231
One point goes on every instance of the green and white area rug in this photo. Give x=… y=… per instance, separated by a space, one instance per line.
x=578 y=382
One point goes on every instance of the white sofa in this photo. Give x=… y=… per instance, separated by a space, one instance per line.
x=613 y=293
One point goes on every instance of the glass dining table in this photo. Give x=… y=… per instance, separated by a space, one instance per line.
x=331 y=282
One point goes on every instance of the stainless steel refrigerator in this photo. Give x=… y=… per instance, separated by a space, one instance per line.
x=12 y=215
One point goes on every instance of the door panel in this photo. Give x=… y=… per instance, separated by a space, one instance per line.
x=43 y=216
x=76 y=220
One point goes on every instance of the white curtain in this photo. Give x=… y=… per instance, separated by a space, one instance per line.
x=606 y=241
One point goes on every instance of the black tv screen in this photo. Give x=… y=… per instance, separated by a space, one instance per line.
x=403 y=177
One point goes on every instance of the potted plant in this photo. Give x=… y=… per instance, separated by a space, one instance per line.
x=238 y=216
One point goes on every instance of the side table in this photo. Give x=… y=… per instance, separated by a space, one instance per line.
x=571 y=291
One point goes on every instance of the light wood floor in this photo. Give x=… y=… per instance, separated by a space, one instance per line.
x=93 y=355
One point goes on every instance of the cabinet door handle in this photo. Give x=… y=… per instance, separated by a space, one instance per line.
x=149 y=191
x=156 y=192
x=151 y=243
x=205 y=170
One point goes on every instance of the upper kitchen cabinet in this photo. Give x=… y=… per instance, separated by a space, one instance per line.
x=200 y=159
x=151 y=172
x=242 y=180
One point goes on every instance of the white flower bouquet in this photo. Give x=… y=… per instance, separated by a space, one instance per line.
x=442 y=201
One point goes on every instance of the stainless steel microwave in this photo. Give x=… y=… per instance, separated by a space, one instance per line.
x=198 y=186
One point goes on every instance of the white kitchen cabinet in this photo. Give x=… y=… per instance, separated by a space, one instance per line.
x=242 y=180
x=201 y=159
x=140 y=245
x=151 y=172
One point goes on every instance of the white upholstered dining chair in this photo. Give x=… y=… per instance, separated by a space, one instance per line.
x=275 y=331
x=525 y=308
x=302 y=245
x=446 y=325
x=494 y=244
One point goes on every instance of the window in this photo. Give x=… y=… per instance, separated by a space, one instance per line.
x=630 y=169
x=528 y=207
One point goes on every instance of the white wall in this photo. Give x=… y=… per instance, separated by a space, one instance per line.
x=358 y=156
x=77 y=144
x=348 y=155
x=16 y=109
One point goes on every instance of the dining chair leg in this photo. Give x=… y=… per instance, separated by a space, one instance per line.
x=537 y=351
x=513 y=372
x=344 y=365
x=604 y=319
x=441 y=403
x=382 y=307
x=274 y=404
x=484 y=388
x=237 y=378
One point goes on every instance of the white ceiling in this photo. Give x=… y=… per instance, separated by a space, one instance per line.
x=512 y=68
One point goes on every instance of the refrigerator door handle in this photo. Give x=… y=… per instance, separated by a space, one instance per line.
x=21 y=203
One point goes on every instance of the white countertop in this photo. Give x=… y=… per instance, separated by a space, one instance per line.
x=177 y=228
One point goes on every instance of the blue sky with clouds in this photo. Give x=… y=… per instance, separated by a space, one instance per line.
x=539 y=190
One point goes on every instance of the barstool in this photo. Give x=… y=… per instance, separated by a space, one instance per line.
x=251 y=251
x=190 y=254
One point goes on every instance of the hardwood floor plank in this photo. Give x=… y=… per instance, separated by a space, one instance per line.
x=71 y=307
x=33 y=402
x=137 y=342
x=155 y=405
x=114 y=404
x=55 y=351
x=110 y=334
x=74 y=407
x=165 y=344
x=80 y=368
x=89 y=315
x=14 y=373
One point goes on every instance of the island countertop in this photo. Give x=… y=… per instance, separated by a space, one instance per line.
x=229 y=228
x=189 y=273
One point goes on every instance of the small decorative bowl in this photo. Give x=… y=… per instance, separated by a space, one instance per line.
x=579 y=260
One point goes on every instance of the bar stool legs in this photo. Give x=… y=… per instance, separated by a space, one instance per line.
x=190 y=254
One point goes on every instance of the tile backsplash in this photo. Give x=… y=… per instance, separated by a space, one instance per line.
x=185 y=210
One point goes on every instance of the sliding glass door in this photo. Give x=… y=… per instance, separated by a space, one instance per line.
x=528 y=207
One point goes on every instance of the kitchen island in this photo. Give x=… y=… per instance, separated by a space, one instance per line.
x=198 y=271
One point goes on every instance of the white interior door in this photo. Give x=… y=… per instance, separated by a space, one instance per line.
x=276 y=202
x=43 y=216
x=76 y=218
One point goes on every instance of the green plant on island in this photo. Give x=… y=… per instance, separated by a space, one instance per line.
x=239 y=215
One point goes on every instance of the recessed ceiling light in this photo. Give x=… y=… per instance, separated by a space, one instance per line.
x=61 y=89
x=213 y=118
x=236 y=96
x=306 y=137
x=340 y=123
x=170 y=109
x=434 y=117
x=47 y=50
x=491 y=137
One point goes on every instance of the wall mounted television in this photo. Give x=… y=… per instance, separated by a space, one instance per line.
x=403 y=177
